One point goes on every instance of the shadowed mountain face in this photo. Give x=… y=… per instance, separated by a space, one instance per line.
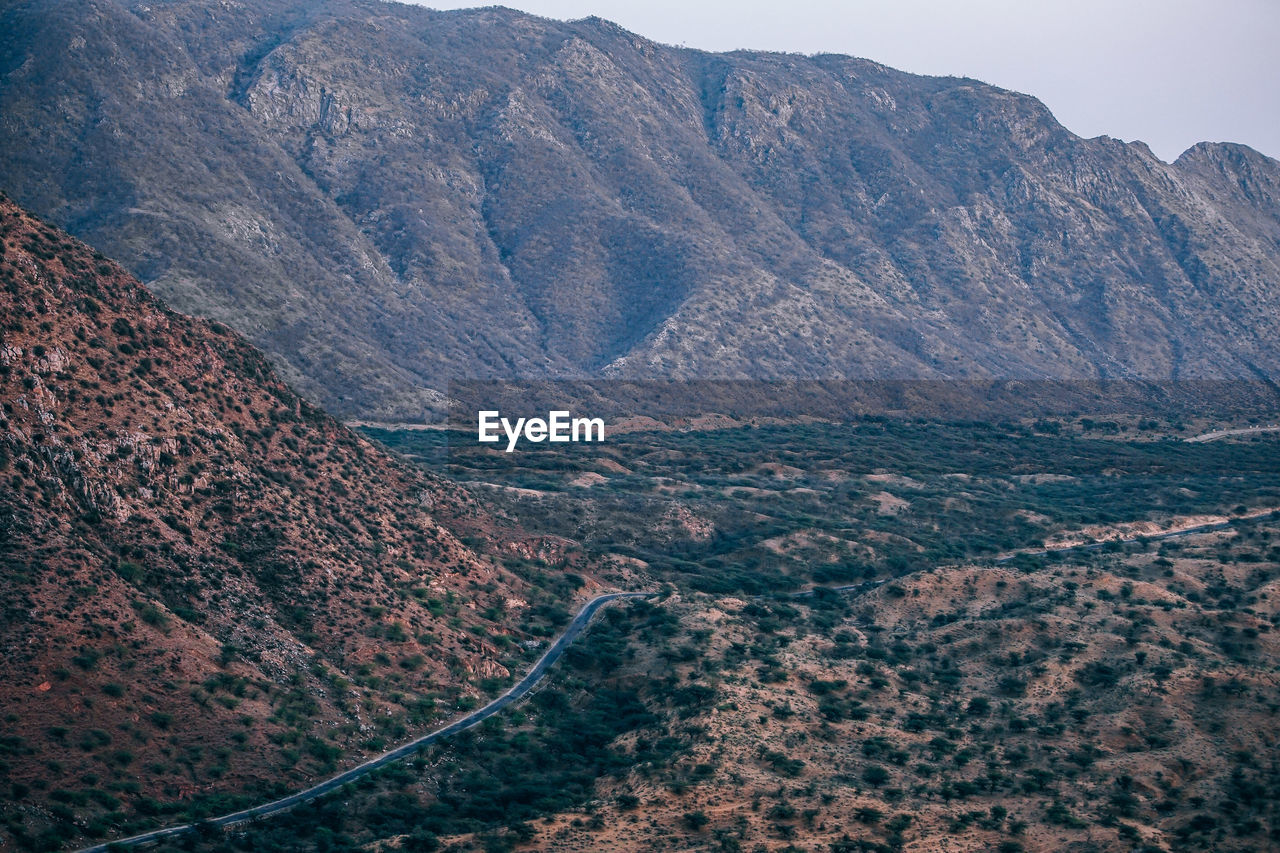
x=386 y=197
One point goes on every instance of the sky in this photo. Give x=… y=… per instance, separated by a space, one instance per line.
x=1167 y=72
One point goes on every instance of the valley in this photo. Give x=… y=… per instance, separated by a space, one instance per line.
x=1109 y=698
x=471 y=431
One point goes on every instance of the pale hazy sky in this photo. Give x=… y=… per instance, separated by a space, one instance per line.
x=1168 y=72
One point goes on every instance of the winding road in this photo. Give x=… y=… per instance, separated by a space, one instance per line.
x=531 y=679
x=1223 y=433
x=513 y=694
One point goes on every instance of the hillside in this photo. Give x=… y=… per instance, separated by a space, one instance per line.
x=211 y=590
x=361 y=189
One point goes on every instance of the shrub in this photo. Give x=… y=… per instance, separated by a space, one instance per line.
x=875 y=775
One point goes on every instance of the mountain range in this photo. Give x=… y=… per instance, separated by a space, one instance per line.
x=387 y=198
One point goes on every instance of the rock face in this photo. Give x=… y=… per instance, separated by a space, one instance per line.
x=206 y=584
x=386 y=197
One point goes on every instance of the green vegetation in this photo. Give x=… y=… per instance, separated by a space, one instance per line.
x=544 y=756
x=772 y=508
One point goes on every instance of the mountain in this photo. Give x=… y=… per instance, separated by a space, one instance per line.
x=208 y=586
x=386 y=198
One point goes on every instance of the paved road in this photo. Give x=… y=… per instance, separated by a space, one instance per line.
x=1152 y=537
x=1223 y=433
x=516 y=692
x=865 y=586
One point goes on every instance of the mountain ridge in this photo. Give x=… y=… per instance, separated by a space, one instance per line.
x=362 y=188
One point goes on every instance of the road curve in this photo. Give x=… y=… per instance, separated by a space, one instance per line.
x=514 y=693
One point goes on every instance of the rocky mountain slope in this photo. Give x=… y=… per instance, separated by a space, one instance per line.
x=207 y=585
x=362 y=188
